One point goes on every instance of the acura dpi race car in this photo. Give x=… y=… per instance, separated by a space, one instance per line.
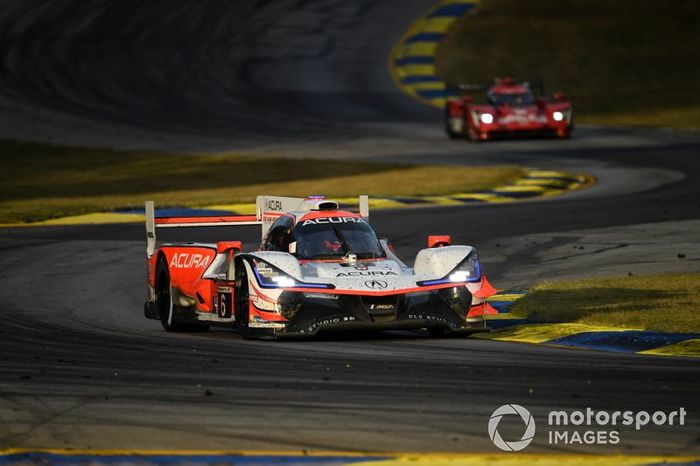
x=318 y=268
x=510 y=108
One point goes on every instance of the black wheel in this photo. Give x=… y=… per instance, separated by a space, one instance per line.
x=448 y=130
x=448 y=127
x=164 y=302
x=241 y=300
x=473 y=135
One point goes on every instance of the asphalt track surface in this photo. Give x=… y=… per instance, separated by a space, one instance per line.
x=82 y=368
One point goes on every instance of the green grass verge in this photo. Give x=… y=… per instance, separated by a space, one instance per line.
x=41 y=182
x=620 y=61
x=668 y=303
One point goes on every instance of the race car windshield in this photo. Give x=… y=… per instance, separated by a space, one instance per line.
x=335 y=238
x=514 y=100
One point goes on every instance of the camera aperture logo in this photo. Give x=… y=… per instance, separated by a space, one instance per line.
x=527 y=418
x=580 y=427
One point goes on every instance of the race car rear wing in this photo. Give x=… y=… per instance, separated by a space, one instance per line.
x=152 y=223
x=267 y=210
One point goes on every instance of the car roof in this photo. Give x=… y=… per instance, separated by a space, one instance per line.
x=509 y=89
x=315 y=214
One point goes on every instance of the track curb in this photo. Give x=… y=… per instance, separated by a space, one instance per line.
x=334 y=458
x=508 y=327
x=412 y=59
x=536 y=184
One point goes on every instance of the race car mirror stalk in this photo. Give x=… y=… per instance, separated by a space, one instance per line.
x=318 y=269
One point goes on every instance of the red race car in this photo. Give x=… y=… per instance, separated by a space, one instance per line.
x=510 y=108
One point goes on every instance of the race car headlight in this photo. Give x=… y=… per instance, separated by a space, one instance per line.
x=469 y=270
x=561 y=115
x=486 y=118
x=269 y=276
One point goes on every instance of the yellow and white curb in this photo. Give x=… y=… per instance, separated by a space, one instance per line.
x=412 y=60
x=535 y=184
x=326 y=458
x=509 y=327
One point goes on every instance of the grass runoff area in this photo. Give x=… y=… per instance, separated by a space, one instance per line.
x=667 y=303
x=41 y=182
x=633 y=62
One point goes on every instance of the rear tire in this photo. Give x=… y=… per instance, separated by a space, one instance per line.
x=164 y=302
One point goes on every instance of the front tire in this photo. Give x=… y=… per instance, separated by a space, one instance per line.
x=448 y=130
x=242 y=299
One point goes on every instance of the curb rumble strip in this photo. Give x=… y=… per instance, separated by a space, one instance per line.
x=508 y=327
x=412 y=60
x=535 y=184
x=326 y=458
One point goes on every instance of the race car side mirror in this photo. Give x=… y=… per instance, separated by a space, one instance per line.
x=438 y=241
x=230 y=248
x=223 y=246
x=559 y=95
x=293 y=247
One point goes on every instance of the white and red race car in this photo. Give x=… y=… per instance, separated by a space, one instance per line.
x=318 y=268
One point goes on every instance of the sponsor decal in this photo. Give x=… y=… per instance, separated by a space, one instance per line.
x=381 y=307
x=267 y=324
x=334 y=320
x=327 y=220
x=367 y=273
x=376 y=284
x=426 y=317
x=188 y=261
x=260 y=322
x=274 y=205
